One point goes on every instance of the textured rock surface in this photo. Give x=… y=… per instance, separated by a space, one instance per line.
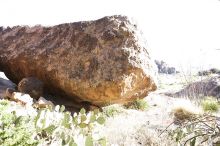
x=102 y=61
x=206 y=87
x=31 y=86
x=4 y=84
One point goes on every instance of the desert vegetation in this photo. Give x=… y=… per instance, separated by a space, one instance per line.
x=156 y=120
x=94 y=83
x=197 y=130
x=180 y=112
x=139 y=104
x=197 y=122
x=210 y=104
x=48 y=126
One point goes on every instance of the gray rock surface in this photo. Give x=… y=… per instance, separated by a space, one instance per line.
x=4 y=84
x=206 y=87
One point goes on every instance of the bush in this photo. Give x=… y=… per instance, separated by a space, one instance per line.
x=112 y=110
x=200 y=130
x=182 y=114
x=16 y=130
x=139 y=104
x=49 y=127
x=210 y=104
x=67 y=130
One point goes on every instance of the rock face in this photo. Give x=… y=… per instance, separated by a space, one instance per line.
x=164 y=68
x=101 y=62
x=206 y=87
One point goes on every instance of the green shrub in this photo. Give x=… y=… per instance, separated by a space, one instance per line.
x=210 y=104
x=112 y=110
x=15 y=130
x=200 y=130
x=49 y=127
x=69 y=128
x=139 y=104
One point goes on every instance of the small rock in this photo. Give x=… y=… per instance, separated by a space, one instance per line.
x=31 y=86
x=9 y=92
x=22 y=98
x=42 y=103
x=4 y=84
x=155 y=104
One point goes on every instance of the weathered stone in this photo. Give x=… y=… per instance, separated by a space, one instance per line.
x=102 y=61
x=8 y=93
x=19 y=97
x=42 y=103
x=206 y=87
x=4 y=84
x=22 y=98
x=31 y=86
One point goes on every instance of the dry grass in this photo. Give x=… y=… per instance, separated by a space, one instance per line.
x=185 y=110
x=182 y=114
x=139 y=104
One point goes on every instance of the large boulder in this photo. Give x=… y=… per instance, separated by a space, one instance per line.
x=101 y=62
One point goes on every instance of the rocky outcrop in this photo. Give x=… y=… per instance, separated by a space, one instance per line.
x=206 y=87
x=101 y=62
x=209 y=72
x=164 y=68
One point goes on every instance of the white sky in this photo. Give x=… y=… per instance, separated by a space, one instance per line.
x=175 y=30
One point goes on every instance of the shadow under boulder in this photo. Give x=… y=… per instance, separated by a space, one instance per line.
x=29 y=86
